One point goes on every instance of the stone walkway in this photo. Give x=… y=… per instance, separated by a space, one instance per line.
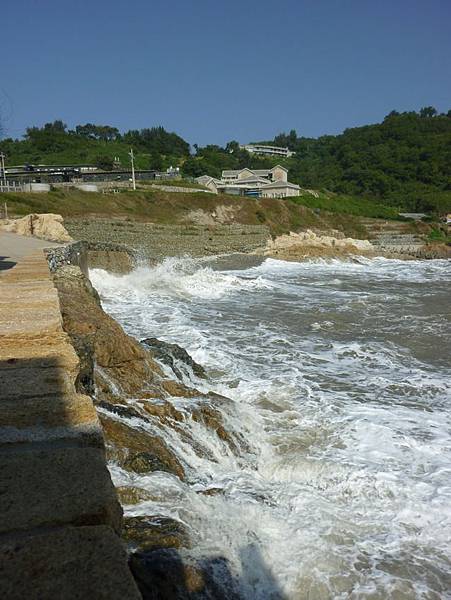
x=13 y=247
x=60 y=517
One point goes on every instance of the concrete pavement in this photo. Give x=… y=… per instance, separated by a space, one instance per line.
x=13 y=247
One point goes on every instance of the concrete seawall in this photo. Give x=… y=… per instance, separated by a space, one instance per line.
x=60 y=517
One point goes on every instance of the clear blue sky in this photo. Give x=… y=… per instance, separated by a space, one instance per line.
x=214 y=71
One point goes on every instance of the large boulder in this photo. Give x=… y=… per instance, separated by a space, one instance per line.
x=306 y=244
x=45 y=226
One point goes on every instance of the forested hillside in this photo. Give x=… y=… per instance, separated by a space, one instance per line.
x=404 y=162
x=54 y=143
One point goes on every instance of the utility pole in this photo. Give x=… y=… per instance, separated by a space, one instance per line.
x=2 y=157
x=132 y=158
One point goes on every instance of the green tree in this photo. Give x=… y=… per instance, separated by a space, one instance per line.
x=156 y=161
x=104 y=162
x=232 y=147
x=98 y=132
x=56 y=126
x=157 y=139
x=193 y=167
x=428 y=111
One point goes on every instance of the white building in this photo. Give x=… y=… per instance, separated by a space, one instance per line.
x=265 y=183
x=268 y=150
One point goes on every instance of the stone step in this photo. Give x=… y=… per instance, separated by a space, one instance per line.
x=71 y=417
x=13 y=322
x=30 y=381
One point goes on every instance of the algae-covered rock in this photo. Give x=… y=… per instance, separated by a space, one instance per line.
x=150 y=532
x=130 y=495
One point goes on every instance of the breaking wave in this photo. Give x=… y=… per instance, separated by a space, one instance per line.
x=338 y=375
x=176 y=277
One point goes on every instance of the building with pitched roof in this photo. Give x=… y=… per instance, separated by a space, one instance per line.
x=265 y=183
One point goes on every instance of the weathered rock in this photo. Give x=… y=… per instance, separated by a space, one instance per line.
x=96 y=336
x=146 y=533
x=133 y=495
x=162 y=574
x=138 y=450
x=177 y=389
x=170 y=353
x=212 y=418
x=213 y=491
x=46 y=226
x=306 y=244
x=163 y=410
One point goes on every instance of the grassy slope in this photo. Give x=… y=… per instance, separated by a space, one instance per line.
x=344 y=204
x=184 y=183
x=169 y=208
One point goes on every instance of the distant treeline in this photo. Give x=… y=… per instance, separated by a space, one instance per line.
x=405 y=161
x=54 y=143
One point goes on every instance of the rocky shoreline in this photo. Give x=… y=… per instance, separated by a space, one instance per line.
x=132 y=384
x=154 y=242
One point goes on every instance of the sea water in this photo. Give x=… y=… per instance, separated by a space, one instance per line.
x=339 y=376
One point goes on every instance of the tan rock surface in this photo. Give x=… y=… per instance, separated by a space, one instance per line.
x=138 y=450
x=307 y=244
x=45 y=226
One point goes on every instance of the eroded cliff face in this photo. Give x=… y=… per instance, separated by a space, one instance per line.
x=138 y=405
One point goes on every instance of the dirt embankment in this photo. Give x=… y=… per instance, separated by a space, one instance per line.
x=199 y=209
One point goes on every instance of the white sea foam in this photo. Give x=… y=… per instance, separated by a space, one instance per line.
x=338 y=377
x=175 y=278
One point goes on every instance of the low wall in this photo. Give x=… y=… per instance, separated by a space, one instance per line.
x=116 y=258
x=61 y=520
